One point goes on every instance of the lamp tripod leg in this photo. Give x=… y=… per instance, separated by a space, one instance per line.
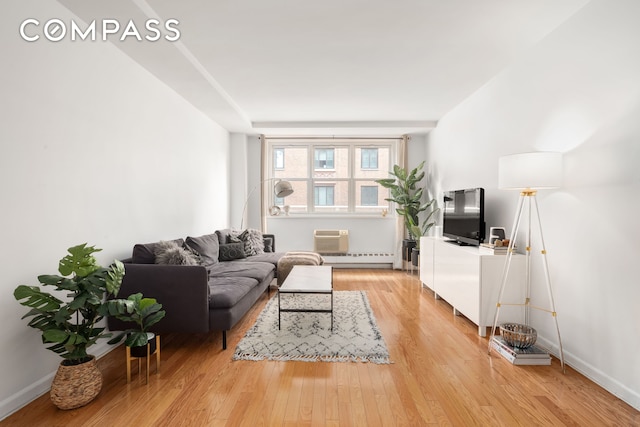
x=507 y=265
x=547 y=276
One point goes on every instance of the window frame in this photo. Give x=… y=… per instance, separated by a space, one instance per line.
x=354 y=180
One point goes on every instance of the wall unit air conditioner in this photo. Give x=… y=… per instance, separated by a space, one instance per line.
x=331 y=241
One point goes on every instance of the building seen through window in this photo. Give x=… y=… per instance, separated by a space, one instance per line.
x=332 y=176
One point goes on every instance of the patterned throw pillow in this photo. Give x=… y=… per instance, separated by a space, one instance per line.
x=253 y=242
x=169 y=253
x=252 y=239
x=231 y=251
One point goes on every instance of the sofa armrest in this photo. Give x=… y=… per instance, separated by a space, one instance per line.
x=181 y=289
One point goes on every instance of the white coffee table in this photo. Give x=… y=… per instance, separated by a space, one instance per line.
x=308 y=279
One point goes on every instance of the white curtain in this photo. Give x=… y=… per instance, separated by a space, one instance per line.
x=264 y=196
x=401 y=160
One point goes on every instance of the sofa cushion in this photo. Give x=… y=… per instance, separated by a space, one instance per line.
x=226 y=292
x=254 y=270
x=270 y=257
x=231 y=251
x=169 y=253
x=144 y=253
x=206 y=247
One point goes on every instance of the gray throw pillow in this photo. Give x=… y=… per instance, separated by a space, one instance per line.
x=231 y=251
x=206 y=246
x=268 y=244
x=169 y=253
x=145 y=253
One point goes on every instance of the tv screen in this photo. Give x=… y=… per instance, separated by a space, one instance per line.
x=463 y=216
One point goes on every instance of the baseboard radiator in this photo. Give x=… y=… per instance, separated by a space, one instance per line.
x=331 y=241
x=333 y=245
x=360 y=260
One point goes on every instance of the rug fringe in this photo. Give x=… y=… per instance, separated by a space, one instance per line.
x=378 y=360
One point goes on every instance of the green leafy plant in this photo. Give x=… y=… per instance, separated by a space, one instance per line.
x=71 y=326
x=144 y=312
x=417 y=230
x=406 y=194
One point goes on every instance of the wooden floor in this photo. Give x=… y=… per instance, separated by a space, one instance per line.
x=441 y=375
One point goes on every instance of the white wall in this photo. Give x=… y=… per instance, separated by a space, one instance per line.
x=93 y=149
x=578 y=92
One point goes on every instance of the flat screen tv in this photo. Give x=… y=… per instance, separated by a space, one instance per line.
x=463 y=216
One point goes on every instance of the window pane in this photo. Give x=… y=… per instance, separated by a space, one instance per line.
x=324 y=195
x=369 y=158
x=366 y=157
x=295 y=163
x=331 y=196
x=278 y=158
x=337 y=157
x=324 y=158
x=369 y=195
x=297 y=201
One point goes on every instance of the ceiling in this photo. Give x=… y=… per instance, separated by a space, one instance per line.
x=331 y=67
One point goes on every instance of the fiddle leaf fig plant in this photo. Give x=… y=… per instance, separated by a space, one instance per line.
x=144 y=312
x=406 y=194
x=418 y=230
x=71 y=325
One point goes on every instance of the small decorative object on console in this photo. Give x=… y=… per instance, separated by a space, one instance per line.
x=274 y=210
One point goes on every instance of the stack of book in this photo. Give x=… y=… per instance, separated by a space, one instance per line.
x=533 y=355
x=493 y=250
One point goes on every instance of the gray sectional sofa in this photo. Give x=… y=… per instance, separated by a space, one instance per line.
x=204 y=283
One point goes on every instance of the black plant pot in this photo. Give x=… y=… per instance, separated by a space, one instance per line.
x=407 y=247
x=415 y=256
x=141 y=351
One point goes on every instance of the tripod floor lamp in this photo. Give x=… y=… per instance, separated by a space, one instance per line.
x=529 y=172
x=280 y=189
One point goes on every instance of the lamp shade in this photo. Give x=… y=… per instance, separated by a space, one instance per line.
x=283 y=189
x=537 y=171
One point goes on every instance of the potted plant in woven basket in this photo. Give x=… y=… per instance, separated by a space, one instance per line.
x=144 y=313
x=70 y=326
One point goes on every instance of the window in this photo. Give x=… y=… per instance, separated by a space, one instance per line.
x=323 y=195
x=369 y=195
x=278 y=158
x=324 y=158
x=333 y=176
x=369 y=158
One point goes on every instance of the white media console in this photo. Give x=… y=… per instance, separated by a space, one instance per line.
x=469 y=279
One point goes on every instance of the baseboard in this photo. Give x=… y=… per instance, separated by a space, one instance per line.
x=33 y=391
x=621 y=391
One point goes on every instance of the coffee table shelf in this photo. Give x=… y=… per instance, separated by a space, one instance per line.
x=307 y=279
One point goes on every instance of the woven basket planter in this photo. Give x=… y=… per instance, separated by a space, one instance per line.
x=75 y=386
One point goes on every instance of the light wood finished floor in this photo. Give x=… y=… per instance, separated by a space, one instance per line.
x=441 y=375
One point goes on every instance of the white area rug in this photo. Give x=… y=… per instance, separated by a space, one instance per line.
x=308 y=336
